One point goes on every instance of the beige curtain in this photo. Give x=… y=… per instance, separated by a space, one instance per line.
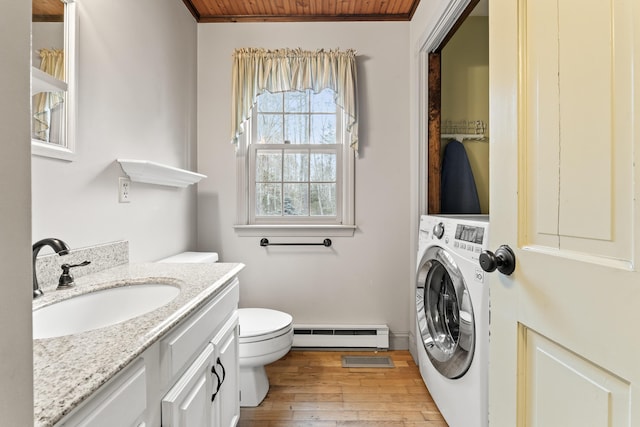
x=258 y=70
x=45 y=103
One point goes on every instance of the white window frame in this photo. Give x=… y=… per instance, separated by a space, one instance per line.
x=343 y=224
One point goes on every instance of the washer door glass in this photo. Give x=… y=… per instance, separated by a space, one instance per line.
x=444 y=313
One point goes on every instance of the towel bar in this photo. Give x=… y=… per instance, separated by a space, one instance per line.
x=265 y=242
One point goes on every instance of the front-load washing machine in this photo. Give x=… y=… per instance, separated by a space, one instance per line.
x=452 y=316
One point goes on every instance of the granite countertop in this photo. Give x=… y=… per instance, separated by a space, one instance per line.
x=69 y=369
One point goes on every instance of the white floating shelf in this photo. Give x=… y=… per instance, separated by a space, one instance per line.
x=156 y=173
x=43 y=82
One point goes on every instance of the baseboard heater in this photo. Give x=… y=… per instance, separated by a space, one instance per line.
x=341 y=336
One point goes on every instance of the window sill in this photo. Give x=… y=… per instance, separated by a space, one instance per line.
x=295 y=230
x=53 y=151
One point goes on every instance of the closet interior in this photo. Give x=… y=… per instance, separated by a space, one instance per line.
x=459 y=140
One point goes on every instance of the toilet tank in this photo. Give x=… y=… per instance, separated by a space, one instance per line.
x=202 y=257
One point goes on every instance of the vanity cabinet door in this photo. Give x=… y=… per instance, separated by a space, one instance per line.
x=188 y=403
x=121 y=402
x=227 y=400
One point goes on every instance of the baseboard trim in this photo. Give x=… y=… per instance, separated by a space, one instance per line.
x=398 y=341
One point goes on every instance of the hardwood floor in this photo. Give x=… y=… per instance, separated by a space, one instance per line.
x=312 y=389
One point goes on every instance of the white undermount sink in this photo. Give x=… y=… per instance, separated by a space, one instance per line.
x=100 y=308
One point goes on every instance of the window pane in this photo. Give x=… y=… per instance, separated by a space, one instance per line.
x=296 y=128
x=296 y=166
x=323 y=102
x=323 y=167
x=268 y=200
x=270 y=129
x=296 y=199
x=268 y=166
x=270 y=103
x=296 y=102
x=323 y=128
x=323 y=200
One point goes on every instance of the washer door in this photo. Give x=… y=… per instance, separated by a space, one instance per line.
x=444 y=313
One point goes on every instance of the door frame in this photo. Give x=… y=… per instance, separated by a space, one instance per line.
x=436 y=27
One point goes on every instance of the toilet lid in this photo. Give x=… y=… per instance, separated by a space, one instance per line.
x=262 y=323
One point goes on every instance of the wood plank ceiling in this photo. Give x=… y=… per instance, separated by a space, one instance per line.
x=271 y=10
x=301 y=10
x=47 y=10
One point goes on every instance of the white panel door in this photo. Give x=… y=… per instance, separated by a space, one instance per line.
x=565 y=127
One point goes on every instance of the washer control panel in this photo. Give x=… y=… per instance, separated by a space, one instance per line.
x=465 y=234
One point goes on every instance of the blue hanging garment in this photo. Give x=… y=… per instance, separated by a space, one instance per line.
x=458 y=188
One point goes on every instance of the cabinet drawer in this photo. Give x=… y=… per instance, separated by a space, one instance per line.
x=182 y=345
x=122 y=402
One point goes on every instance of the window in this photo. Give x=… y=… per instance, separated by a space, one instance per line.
x=296 y=142
x=294 y=159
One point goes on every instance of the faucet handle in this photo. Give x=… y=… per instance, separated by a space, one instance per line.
x=68 y=266
x=66 y=279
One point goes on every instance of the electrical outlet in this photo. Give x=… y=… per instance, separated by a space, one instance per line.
x=124 y=190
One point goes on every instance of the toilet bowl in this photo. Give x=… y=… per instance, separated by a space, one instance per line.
x=265 y=336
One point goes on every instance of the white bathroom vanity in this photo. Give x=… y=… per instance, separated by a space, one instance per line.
x=174 y=366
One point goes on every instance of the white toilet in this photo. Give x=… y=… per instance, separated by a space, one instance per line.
x=265 y=336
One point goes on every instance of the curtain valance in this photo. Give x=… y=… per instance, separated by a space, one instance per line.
x=44 y=103
x=258 y=70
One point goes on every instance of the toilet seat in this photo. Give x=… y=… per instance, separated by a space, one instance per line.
x=261 y=324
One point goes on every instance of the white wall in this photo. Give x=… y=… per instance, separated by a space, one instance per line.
x=47 y=35
x=361 y=279
x=137 y=100
x=16 y=369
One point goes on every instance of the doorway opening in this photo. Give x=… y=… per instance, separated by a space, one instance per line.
x=458 y=109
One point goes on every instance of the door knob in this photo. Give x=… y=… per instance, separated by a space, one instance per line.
x=503 y=259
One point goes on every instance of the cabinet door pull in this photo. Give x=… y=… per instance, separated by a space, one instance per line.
x=213 y=371
x=224 y=373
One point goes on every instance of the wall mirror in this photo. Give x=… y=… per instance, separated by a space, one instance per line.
x=53 y=78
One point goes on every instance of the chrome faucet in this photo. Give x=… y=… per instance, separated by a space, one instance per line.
x=60 y=247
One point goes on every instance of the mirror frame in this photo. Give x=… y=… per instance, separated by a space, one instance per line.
x=68 y=150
